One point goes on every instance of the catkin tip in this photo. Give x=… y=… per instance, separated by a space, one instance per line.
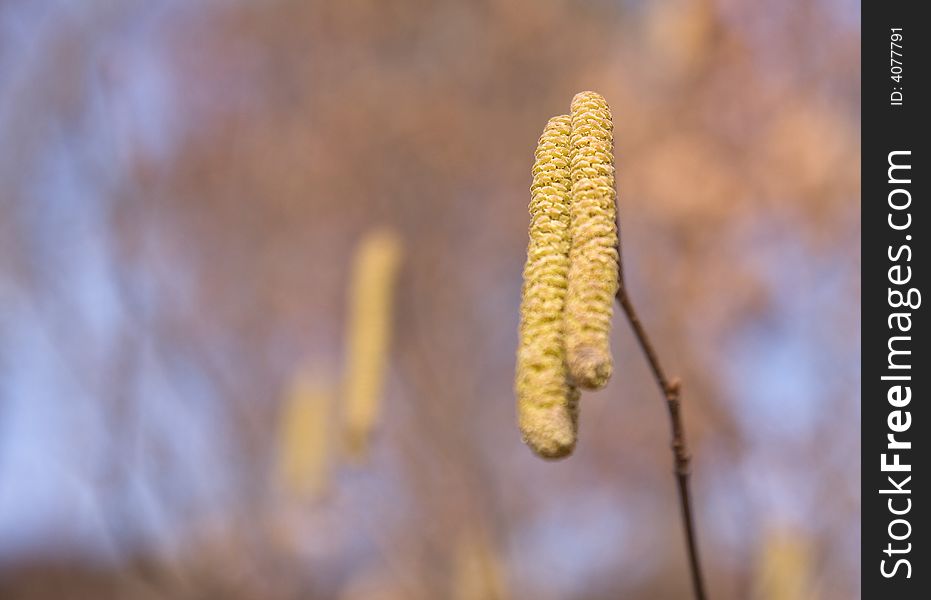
x=551 y=431
x=588 y=98
x=590 y=367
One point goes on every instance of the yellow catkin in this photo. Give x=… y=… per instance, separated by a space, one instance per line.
x=477 y=571
x=547 y=402
x=593 y=254
x=784 y=568
x=303 y=441
x=370 y=314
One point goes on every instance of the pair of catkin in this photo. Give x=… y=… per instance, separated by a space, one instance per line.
x=307 y=413
x=571 y=275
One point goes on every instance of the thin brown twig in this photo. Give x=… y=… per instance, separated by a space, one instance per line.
x=672 y=392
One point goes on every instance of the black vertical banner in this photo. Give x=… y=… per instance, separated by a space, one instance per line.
x=896 y=437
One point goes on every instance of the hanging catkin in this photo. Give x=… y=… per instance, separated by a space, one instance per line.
x=303 y=439
x=593 y=254
x=547 y=402
x=784 y=568
x=370 y=312
x=478 y=572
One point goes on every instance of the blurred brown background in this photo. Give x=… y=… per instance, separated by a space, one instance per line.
x=182 y=189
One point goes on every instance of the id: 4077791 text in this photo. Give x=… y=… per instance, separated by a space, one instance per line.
x=895 y=66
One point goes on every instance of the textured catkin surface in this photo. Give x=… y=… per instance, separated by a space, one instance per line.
x=370 y=309
x=547 y=403
x=593 y=254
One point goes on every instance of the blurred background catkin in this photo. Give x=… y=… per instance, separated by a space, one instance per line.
x=183 y=187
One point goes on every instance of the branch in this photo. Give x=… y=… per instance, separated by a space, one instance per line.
x=672 y=391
